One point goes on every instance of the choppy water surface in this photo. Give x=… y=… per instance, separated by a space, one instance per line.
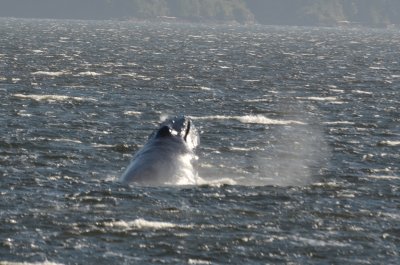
x=299 y=145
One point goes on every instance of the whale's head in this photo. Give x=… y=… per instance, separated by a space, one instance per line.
x=168 y=157
x=179 y=127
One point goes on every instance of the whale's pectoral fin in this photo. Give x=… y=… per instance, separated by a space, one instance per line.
x=165 y=131
x=187 y=131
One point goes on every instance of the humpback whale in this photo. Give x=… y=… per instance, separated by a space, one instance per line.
x=168 y=156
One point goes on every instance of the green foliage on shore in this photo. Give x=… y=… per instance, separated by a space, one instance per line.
x=375 y=13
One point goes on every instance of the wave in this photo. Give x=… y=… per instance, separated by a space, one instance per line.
x=89 y=73
x=252 y=119
x=256 y=100
x=132 y=113
x=332 y=100
x=67 y=140
x=362 y=92
x=198 y=262
x=135 y=76
x=384 y=177
x=141 y=223
x=52 y=98
x=37 y=51
x=59 y=73
x=339 y=122
x=317 y=242
x=29 y=263
x=205 y=88
x=217 y=182
x=389 y=143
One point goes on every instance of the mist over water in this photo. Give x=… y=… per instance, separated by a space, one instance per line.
x=298 y=156
x=289 y=152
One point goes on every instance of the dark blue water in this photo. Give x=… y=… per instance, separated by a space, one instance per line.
x=299 y=153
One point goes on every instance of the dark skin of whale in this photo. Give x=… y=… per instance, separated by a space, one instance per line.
x=167 y=157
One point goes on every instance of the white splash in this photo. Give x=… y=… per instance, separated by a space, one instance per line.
x=217 y=182
x=186 y=175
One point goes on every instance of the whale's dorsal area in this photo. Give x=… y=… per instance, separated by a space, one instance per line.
x=167 y=157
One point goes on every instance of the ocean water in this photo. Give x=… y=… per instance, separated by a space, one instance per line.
x=299 y=153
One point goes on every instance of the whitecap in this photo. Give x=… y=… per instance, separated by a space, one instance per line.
x=67 y=140
x=132 y=113
x=205 y=88
x=243 y=149
x=141 y=223
x=198 y=261
x=384 y=177
x=259 y=119
x=257 y=100
x=52 y=98
x=320 y=98
x=29 y=263
x=345 y=194
x=339 y=122
x=128 y=74
x=377 y=68
x=217 y=182
x=362 y=92
x=135 y=76
x=252 y=119
x=251 y=80
x=332 y=100
x=89 y=73
x=23 y=113
x=319 y=242
x=389 y=143
x=57 y=73
x=336 y=90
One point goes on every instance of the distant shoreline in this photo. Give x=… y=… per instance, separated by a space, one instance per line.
x=208 y=22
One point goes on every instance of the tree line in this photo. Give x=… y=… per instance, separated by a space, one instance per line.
x=279 y=12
